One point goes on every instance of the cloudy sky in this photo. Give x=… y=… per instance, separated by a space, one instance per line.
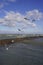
x=21 y=16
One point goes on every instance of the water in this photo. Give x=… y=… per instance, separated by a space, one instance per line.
x=22 y=54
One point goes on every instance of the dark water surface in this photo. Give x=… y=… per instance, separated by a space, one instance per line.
x=22 y=54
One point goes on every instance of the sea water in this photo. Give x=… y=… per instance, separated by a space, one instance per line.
x=22 y=54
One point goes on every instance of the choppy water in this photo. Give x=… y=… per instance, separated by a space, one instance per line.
x=22 y=54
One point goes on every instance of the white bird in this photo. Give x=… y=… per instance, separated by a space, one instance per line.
x=6 y=48
x=12 y=41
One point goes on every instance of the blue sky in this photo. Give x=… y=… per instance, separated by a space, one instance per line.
x=13 y=12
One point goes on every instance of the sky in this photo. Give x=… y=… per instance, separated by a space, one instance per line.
x=21 y=16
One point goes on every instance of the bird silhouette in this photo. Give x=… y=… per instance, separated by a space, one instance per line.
x=33 y=20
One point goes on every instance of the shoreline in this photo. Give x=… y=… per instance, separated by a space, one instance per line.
x=15 y=40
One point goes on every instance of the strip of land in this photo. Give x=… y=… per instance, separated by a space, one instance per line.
x=25 y=39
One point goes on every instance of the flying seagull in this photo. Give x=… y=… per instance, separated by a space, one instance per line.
x=26 y=19
x=33 y=20
x=19 y=30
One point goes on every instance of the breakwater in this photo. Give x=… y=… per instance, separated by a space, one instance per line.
x=14 y=40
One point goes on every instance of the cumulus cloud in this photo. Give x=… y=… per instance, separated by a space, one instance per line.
x=11 y=17
x=34 y=14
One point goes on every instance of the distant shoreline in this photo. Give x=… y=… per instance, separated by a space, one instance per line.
x=15 y=40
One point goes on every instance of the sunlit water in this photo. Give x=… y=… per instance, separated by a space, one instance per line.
x=21 y=54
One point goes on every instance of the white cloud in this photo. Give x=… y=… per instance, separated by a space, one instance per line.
x=11 y=17
x=34 y=14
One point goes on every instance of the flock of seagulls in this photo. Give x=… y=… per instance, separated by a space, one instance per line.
x=33 y=20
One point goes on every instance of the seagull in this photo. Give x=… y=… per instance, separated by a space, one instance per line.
x=26 y=19
x=6 y=48
x=19 y=30
x=12 y=41
x=33 y=20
